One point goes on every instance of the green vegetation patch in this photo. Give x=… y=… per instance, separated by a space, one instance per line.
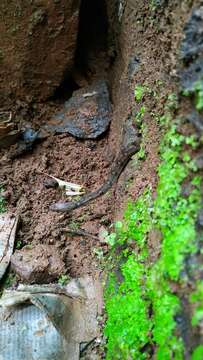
x=197 y=299
x=141 y=308
x=139 y=92
x=2 y=202
x=197 y=93
x=128 y=327
x=198 y=353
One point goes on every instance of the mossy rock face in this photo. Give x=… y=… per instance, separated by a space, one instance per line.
x=37 y=46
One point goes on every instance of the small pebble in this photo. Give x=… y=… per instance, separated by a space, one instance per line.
x=50 y=183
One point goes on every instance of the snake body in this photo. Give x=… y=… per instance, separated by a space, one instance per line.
x=129 y=146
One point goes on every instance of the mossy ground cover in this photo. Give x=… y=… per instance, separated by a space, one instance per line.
x=141 y=308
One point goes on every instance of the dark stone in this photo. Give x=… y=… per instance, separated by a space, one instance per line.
x=191 y=51
x=29 y=136
x=133 y=67
x=192 y=45
x=26 y=142
x=86 y=115
x=191 y=74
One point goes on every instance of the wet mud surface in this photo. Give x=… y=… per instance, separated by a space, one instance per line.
x=81 y=162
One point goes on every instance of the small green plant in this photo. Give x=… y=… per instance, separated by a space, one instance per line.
x=140 y=114
x=19 y=244
x=153 y=4
x=192 y=140
x=74 y=225
x=172 y=102
x=99 y=253
x=141 y=155
x=198 y=89
x=139 y=92
x=110 y=239
x=9 y=280
x=63 y=280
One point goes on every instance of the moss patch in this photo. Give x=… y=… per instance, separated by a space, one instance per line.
x=198 y=353
x=141 y=308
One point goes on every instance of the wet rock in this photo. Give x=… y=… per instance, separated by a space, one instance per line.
x=190 y=75
x=35 y=35
x=192 y=50
x=39 y=264
x=29 y=136
x=196 y=119
x=86 y=115
x=184 y=326
x=192 y=44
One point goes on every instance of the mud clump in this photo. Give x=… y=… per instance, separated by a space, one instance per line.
x=41 y=264
x=35 y=35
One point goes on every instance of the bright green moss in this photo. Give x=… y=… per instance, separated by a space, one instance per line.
x=139 y=214
x=174 y=215
x=198 y=353
x=139 y=92
x=128 y=324
x=146 y=286
x=138 y=219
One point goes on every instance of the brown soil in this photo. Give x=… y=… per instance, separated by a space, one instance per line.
x=89 y=162
x=84 y=163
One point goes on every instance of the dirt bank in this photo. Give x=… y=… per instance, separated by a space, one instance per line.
x=128 y=45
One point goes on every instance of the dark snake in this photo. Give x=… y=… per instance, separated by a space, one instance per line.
x=130 y=144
